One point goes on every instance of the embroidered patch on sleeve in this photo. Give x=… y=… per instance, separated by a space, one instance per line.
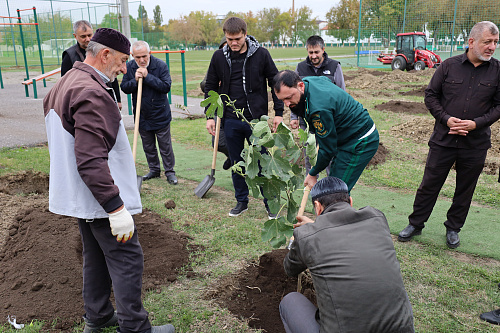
x=321 y=129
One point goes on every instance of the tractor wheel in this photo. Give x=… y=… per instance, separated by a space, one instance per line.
x=398 y=63
x=419 y=65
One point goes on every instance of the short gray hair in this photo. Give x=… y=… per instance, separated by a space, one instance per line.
x=480 y=27
x=81 y=24
x=94 y=48
x=140 y=44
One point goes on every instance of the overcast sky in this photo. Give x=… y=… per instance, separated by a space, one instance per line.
x=173 y=9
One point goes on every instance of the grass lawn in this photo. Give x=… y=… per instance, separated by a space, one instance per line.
x=448 y=289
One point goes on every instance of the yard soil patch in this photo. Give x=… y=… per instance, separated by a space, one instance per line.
x=41 y=261
x=256 y=291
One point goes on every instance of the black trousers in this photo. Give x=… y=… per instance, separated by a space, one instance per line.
x=468 y=164
x=149 y=139
x=108 y=263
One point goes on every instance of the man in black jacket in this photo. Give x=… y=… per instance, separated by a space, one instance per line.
x=83 y=32
x=464 y=98
x=240 y=70
x=154 y=122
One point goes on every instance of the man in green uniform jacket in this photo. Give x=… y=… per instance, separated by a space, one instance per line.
x=345 y=132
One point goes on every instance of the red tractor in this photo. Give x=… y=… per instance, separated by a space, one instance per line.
x=411 y=53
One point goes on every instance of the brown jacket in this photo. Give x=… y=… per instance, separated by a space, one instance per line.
x=92 y=171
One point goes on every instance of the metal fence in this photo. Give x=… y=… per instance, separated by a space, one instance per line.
x=55 y=30
x=446 y=23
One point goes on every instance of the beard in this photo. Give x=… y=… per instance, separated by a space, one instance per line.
x=300 y=108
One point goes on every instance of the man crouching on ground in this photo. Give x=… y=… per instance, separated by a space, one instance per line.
x=93 y=178
x=354 y=269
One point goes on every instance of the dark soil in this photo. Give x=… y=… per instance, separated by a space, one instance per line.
x=255 y=292
x=379 y=157
x=420 y=92
x=403 y=107
x=41 y=262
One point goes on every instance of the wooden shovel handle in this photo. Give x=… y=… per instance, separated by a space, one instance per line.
x=303 y=203
x=137 y=117
x=216 y=142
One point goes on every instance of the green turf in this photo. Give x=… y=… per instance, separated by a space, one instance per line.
x=477 y=236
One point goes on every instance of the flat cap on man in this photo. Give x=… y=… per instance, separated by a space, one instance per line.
x=112 y=39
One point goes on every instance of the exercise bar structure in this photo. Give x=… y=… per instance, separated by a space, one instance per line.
x=167 y=60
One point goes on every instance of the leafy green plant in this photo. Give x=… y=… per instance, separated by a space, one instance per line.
x=272 y=166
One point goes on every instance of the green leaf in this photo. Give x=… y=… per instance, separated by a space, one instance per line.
x=252 y=161
x=311 y=149
x=283 y=137
x=303 y=135
x=278 y=242
x=216 y=105
x=292 y=210
x=275 y=231
x=253 y=185
x=297 y=170
x=293 y=154
x=267 y=140
x=277 y=166
x=272 y=187
x=261 y=128
x=274 y=205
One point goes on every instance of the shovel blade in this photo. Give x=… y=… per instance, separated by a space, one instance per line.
x=204 y=186
x=139 y=183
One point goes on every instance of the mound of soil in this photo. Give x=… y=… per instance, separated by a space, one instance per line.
x=379 y=157
x=41 y=262
x=403 y=107
x=255 y=292
x=25 y=182
x=420 y=92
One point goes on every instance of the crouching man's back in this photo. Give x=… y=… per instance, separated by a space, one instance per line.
x=353 y=264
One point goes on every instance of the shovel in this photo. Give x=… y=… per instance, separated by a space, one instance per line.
x=136 y=128
x=302 y=207
x=209 y=180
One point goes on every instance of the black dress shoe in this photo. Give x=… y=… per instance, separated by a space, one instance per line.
x=172 y=179
x=452 y=239
x=408 y=233
x=151 y=175
x=492 y=317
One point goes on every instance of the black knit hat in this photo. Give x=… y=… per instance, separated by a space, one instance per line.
x=328 y=185
x=112 y=39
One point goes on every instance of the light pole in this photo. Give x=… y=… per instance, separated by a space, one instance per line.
x=125 y=18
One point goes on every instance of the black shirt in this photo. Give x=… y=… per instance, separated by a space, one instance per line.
x=459 y=89
x=236 y=91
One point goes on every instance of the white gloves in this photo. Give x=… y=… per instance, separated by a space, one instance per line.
x=122 y=225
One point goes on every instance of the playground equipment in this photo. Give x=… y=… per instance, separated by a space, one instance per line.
x=20 y=24
x=167 y=60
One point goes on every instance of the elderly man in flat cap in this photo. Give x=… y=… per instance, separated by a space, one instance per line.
x=354 y=269
x=93 y=178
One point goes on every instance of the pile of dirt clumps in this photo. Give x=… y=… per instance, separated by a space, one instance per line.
x=379 y=157
x=41 y=263
x=418 y=129
x=25 y=182
x=403 y=107
x=368 y=79
x=420 y=92
x=256 y=291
